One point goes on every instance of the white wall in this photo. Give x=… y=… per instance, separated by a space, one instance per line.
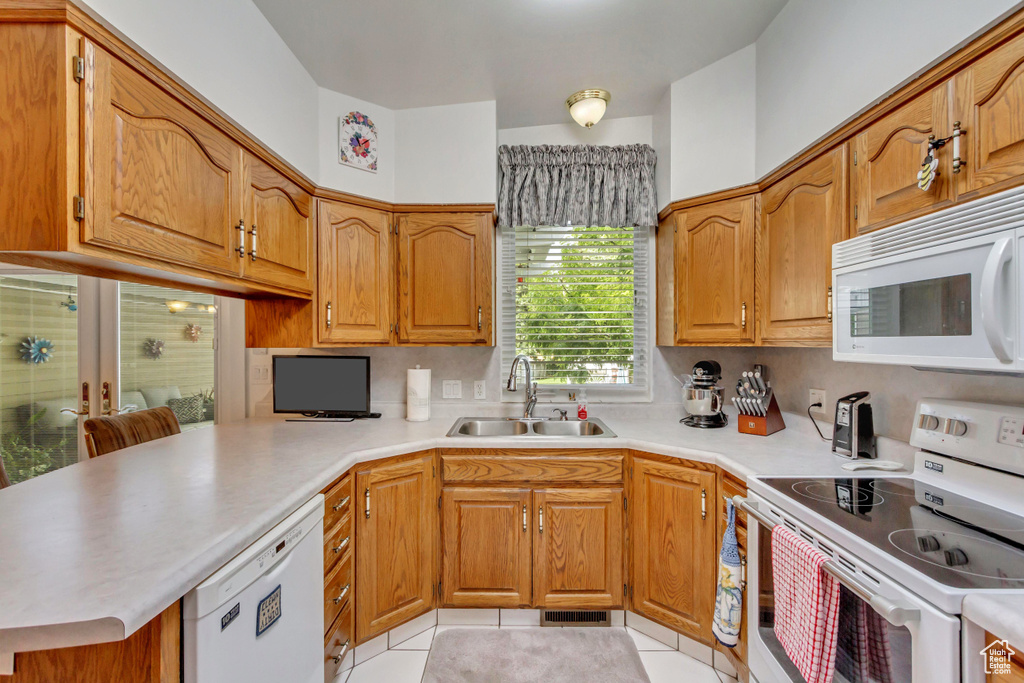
x=821 y=61
x=228 y=52
x=661 y=139
x=447 y=154
x=632 y=130
x=713 y=126
x=337 y=176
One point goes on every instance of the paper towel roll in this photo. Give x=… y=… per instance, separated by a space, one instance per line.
x=417 y=397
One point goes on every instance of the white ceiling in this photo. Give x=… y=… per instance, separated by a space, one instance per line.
x=529 y=55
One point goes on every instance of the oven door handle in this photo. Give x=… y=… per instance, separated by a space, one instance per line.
x=893 y=612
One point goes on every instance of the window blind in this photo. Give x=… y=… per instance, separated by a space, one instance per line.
x=575 y=299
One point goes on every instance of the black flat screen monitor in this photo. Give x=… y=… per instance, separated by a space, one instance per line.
x=330 y=386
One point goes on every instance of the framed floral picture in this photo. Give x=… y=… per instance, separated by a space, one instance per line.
x=357 y=141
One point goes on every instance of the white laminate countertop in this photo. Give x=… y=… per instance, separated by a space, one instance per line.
x=1000 y=614
x=92 y=552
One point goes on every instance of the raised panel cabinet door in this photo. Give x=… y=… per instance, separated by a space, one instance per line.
x=802 y=216
x=278 y=239
x=160 y=181
x=715 y=272
x=578 y=548
x=396 y=525
x=990 y=108
x=486 y=544
x=887 y=155
x=673 y=545
x=445 y=266
x=356 y=275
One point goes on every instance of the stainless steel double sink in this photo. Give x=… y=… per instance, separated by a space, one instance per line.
x=530 y=428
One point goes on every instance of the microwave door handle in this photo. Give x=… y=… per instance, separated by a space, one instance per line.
x=1001 y=343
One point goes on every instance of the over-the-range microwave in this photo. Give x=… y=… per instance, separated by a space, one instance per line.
x=942 y=291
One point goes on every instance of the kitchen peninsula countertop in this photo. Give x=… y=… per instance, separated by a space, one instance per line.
x=92 y=552
x=1000 y=614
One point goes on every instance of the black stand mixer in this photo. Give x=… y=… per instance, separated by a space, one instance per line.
x=702 y=397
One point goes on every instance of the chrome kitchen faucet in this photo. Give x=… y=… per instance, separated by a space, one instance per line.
x=531 y=386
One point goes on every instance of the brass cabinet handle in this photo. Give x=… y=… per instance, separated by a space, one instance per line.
x=328 y=314
x=344 y=650
x=829 y=303
x=703 y=504
x=367 y=502
x=340 y=504
x=540 y=519
x=743 y=315
x=524 y=518
x=958 y=161
x=252 y=232
x=240 y=249
x=479 y=318
x=344 y=542
x=344 y=592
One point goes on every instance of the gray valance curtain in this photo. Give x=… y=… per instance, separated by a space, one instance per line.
x=577 y=185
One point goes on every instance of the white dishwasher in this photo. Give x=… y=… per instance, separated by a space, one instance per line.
x=260 y=617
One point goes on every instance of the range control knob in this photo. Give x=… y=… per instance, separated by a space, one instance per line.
x=955 y=427
x=956 y=557
x=928 y=423
x=927 y=544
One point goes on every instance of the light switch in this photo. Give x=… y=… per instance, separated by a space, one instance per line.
x=452 y=388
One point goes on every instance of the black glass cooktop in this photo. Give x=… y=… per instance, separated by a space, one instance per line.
x=955 y=540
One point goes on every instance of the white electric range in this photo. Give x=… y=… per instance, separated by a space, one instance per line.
x=905 y=548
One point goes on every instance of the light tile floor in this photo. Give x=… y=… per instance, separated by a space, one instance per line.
x=405 y=662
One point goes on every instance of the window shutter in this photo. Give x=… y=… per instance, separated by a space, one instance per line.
x=576 y=301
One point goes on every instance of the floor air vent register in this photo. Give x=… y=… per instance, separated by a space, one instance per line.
x=563 y=617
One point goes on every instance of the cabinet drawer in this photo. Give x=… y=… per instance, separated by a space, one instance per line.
x=338 y=590
x=338 y=643
x=337 y=501
x=337 y=543
x=550 y=469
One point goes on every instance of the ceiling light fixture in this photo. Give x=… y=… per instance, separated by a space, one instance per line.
x=587 y=106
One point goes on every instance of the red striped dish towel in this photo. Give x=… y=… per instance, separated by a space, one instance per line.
x=806 y=605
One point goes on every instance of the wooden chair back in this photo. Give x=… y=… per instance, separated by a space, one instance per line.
x=108 y=434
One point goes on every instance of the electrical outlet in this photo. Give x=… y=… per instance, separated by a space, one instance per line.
x=480 y=389
x=818 y=396
x=452 y=388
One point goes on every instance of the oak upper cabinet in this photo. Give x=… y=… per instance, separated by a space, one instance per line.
x=396 y=532
x=578 y=548
x=714 y=272
x=488 y=534
x=672 y=532
x=802 y=216
x=887 y=155
x=356 y=280
x=445 y=270
x=990 y=108
x=278 y=241
x=160 y=181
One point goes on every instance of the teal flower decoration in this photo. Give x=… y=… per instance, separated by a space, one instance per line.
x=36 y=350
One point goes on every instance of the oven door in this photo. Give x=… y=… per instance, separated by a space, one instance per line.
x=952 y=306
x=870 y=649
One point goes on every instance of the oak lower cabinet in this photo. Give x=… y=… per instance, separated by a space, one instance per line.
x=578 y=543
x=487 y=549
x=990 y=108
x=445 y=271
x=356 y=291
x=396 y=532
x=672 y=539
x=887 y=155
x=706 y=258
x=802 y=216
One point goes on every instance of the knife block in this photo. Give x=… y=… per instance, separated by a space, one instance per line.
x=762 y=426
